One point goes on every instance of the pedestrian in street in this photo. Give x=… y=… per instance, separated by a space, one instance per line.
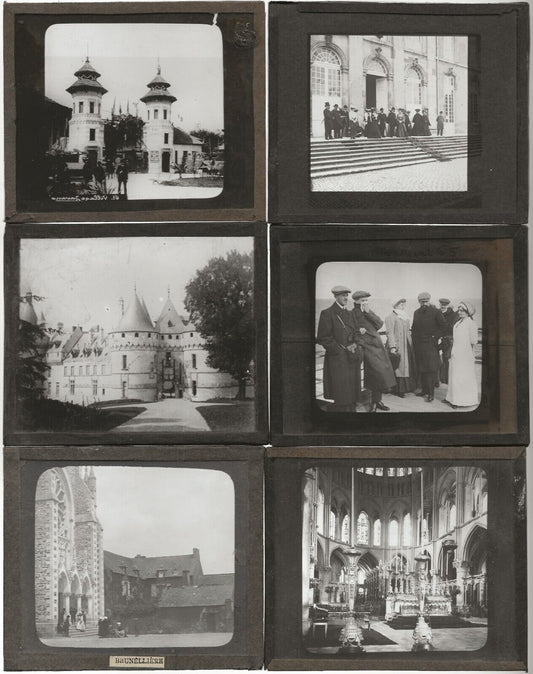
x=440 y=124
x=342 y=362
x=418 y=125
x=446 y=341
x=428 y=327
x=400 y=345
x=379 y=375
x=122 y=177
x=391 y=121
x=462 y=387
x=328 y=121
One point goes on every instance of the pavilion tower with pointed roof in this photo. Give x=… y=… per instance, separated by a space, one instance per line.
x=86 y=126
x=158 y=130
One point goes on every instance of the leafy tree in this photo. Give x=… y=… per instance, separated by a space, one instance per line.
x=210 y=139
x=31 y=367
x=122 y=132
x=219 y=300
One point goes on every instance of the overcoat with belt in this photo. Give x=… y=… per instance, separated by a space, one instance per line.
x=428 y=326
x=342 y=379
x=379 y=375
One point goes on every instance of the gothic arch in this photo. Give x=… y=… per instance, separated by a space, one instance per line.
x=367 y=561
x=475 y=550
x=332 y=47
x=384 y=62
x=413 y=64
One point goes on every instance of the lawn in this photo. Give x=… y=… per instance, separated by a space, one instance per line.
x=233 y=415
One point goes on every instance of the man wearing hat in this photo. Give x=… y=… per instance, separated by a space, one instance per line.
x=379 y=375
x=391 y=121
x=342 y=362
x=446 y=341
x=418 y=123
x=336 y=121
x=382 y=122
x=428 y=327
x=327 y=121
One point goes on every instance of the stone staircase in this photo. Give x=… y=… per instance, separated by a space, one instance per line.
x=344 y=155
x=90 y=631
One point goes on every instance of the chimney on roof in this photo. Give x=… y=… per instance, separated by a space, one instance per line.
x=186 y=577
x=196 y=553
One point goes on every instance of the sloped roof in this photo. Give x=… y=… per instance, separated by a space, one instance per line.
x=135 y=319
x=169 y=320
x=218 y=579
x=174 y=565
x=27 y=313
x=84 y=83
x=182 y=138
x=72 y=340
x=204 y=595
x=87 y=68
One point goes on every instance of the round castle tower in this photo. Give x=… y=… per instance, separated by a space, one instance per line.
x=86 y=126
x=133 y=345
x=158 y=130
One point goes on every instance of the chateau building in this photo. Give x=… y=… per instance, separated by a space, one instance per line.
x=391 y=518
x=69 y=556
x=181 y=597
x=138 y=359
x=401 y=71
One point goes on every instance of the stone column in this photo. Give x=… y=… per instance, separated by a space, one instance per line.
x=66 y=596
x=462 y=572
x=78 y=602
x=356 y=78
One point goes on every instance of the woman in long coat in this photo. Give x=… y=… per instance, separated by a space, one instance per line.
x=399 y=342
x=402 y=129
x=462 y=383
x=379 y=375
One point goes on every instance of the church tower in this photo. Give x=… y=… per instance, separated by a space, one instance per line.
x=86 y=126
x=158 y=130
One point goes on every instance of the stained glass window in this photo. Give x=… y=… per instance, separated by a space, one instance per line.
x=345 y=535
x=377 y=532
x=393 y=534
x=363 y=528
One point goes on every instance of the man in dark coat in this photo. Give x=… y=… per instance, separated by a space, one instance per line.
x=428 y=327
x=342 y=362
x=379 y=375
x=382 y=121
x=418 y=123
x=345 y=119
x=446 y=341
x=391 y=120
x=328 y=125
x=336 y=120
x=440 y=124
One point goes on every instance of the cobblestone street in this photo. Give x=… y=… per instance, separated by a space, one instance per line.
x=450 y=176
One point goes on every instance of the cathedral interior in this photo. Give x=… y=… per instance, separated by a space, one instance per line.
x=394 y=558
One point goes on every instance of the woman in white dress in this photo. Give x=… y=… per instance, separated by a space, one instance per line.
x=80 y=625
x=462 y=386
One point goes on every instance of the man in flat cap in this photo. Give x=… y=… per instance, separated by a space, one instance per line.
x=342 y=362
x=428 y=327
x=379 y=375
x=446 y=341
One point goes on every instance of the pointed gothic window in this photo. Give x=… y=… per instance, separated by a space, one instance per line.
x=393 y=534
x=377 y=532
x=406 y=534
x=320 y=512
x=363 y=528
x=345 y=536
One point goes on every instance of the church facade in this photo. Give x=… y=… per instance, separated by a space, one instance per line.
x=69 y=554
x=393 y=518
x=139 y=359
x=401 y=71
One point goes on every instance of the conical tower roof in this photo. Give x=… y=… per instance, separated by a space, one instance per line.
x=158 y=89
x=169 y=320
x=87 y=80
x=135 y=318
x=27 y=312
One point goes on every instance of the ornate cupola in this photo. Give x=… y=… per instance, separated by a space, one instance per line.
x=86 y=127
x=158 y=130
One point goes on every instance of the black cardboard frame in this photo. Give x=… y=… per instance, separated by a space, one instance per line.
x=243 y=196
x=498 y=179
x=507 y=636
x=13 y=235
x=499 y=251
x=22 y=466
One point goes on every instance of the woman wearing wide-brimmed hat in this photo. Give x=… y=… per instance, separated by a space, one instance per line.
x=462 y=383
x=398 y=325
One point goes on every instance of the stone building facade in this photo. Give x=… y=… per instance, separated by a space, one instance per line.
x=69 y=554
x=395 y=515
x=401 y=71
x=139 y=359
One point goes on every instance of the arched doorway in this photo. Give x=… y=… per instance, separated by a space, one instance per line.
x=376 y=86
x=165 y=162
x=325 y=86
x=63 y=598
x=86 y=598
x=475 y=555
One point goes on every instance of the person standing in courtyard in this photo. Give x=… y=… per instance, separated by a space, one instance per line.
x=328 y=122
x=379 y=375
x=122 y=177
x=399 y=343
x=440 y=124
x=462 y=386
x=342 y=362
x=401 y=128
x=425 y=124
x=336 y=119
x=446 y=340
x=408 y=124
x=382 y=122
x=391 y=121
x=345 y=120
x=428 y=326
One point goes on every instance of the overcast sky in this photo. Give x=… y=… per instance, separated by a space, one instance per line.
x=394 y=280
x=126 y=56
x=83 y=279
x=168 y=511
